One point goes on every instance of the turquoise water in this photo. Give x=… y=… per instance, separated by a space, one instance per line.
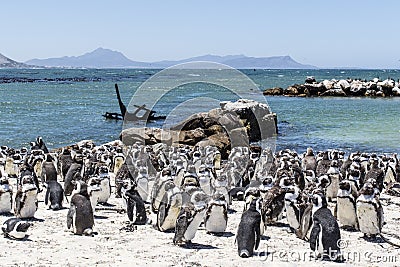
x=65 y=106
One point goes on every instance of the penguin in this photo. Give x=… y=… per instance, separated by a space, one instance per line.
x=376 y=173
x=118 y=160
x=274 y=203
x=189 y=219
x=159 y=189
x=216 y=218
x=169 y=208
x=142 y=183
x=41 y=145
x=93 y=190
x=134 y=204
x=334 y=177
x=205 y=179
x=369 y=212
x=15 y=228
x=309 y=162
x=54 y=193
x=345 y=208
x=323 y=164
x=26 y=202
x=49 y=170
x=248 y=233
x=80 y=214
x=221 y=185
x=73 y=174
x=293 y=211
x=6 y=192
x=325 y=232
x=105 y=184
x=64 y=162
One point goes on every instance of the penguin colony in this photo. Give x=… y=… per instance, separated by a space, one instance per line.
x=191 y=187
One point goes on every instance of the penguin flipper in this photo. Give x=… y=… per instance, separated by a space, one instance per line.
x=70 y=215
x=314 y=235
x=46 y=198
x=131 y=204
x=181 y=225
x=23 y=227
x=257 y=232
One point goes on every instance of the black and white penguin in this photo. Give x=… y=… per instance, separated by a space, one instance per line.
x=346 y=205
x=248 y=233
x=189 y=219
x=325 y=233
x=334 y=176
x=159 y=188
x=293 y=210
x=118 y=160
x=6 y=193
x=105 y=184
x=205 y=179
x=142 y=182
x=15 y=228
x=54 y=194
x=369 y=211
x=75 y=172
x=221 y=185
x=80 y=214
x=169 y=208
x=26 y=202
x=309 y=162
x=134 y=204
x=216 y=218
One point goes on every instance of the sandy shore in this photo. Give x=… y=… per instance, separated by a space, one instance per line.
x=50 y=243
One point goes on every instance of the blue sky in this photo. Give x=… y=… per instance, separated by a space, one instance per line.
x=352 y=33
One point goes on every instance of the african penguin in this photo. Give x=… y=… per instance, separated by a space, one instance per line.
x=26 y=202
x=54 y=194
x=169 y=208
x=105 y=184
x=189 y=219
x=15 y=228
x=369 y=211
x=216 y=215
x=134 y=204
x=49 y=171
x=6 y=193
x=346 y=205
x=80 y=214
x=325 y=233
x=248 y=233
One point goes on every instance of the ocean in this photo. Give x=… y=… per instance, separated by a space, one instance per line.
x=65 y=106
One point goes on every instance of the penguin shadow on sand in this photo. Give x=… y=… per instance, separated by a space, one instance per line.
x=191 y=245
x=224 y=234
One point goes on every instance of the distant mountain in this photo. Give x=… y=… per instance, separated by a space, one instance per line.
x=106 y=58
x=99 y=58
x=7 y=63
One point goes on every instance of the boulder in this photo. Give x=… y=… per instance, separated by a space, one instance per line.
x=273 y=91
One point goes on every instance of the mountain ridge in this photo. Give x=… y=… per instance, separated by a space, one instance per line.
x=106 y=58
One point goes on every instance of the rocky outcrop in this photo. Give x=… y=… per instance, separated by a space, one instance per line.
x=233 y=124
x=342 y=88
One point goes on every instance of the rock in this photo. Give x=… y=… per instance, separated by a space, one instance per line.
x=234 y=124
x=291 y=91
x=273 y=91
x=334 y=92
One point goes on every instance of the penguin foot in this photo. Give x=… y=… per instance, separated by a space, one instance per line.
x=88 y=232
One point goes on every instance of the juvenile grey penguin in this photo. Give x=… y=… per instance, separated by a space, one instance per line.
x=216 y=218
x=369 y=211
x=80 y=214
x=248 y=233
x=49 y=171
x=54 y=194
x=26 y=202
x=325 y=233
x=15 y=228
x=64 y=162
x=6 y=193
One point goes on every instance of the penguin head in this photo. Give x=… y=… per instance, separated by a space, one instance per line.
x=80 y=187
x=318 y=199
x=367 y=190
x=218 y=197
x=199 y=199
x=345 y=185
x=268 y=181
x=256 y=205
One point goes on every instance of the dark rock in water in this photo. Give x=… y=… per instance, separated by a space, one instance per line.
x=234 y=124
x=274 y=91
